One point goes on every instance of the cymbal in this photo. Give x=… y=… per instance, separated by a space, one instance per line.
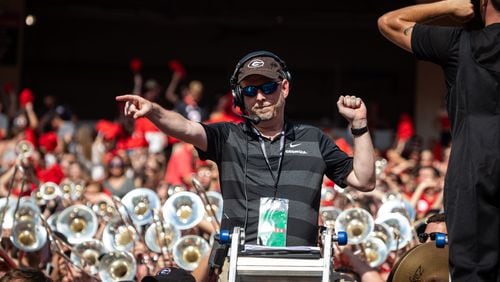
x=423 y=263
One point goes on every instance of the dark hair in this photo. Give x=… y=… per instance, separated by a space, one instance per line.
x=438 y=217
x=25 y=275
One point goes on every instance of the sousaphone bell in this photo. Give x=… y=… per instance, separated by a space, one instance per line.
x=356 y=222
x=140 y=204
x=189 y=250
x=400 y=226
x=118 y=236
x=161 y=235
x=184 y=210
x=28 y=236
x=49 y=191
x=117 y=266
x=86 y=254
x=78 y=223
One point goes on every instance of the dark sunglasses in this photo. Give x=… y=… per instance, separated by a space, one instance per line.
x=266 y=88
x=422 y=237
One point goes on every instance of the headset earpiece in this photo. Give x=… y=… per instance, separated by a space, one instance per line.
x=238 y=99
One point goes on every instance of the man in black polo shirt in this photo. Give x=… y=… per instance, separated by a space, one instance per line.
x=471 y=63
x=270 y=169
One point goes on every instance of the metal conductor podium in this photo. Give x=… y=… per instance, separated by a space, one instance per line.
x=256 y=263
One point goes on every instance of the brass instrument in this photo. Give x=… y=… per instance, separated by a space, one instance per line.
x=212 y=202
x=67 y=189
x=189 y=250
x=140 y=204
x=117 y=266
x=172 y=189
x=78 y=222
x=397 y=205
x=329 y=215
x=380 y=165
x=400 y=226
x=158 y=236
x=384 y=233
x=24 y=149
x=28 y=236
x=27 y=211
x=375 y=251
x=357 y=222
x=86 y=254
x=49 y=191
x=184 y=210
x=119 y=236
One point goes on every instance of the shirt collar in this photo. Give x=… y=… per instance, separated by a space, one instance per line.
x=289 y=130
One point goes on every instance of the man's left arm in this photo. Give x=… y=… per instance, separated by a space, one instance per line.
x=362 y=176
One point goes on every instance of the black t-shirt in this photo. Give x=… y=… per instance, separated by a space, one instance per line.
x=308 y=155
x=471 y=63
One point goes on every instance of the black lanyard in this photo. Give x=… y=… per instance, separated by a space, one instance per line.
x=282 y=153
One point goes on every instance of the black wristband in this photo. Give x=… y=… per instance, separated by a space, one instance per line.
x=359 y=131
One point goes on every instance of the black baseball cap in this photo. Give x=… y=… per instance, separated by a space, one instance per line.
x=170 y=274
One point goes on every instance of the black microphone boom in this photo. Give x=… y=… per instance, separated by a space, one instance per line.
x=253 y=119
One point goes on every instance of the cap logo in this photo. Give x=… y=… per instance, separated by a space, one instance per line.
x=165 y=271
x=257 y=63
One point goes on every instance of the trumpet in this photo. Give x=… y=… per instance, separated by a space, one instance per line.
x=400 y=227
x=140 y=204
x=357 y=222
x=117 y=266
x=184 y=210
x=189 y=250
x=78 y=223
x=87 y=253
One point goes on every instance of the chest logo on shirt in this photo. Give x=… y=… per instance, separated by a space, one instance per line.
x=292 y=145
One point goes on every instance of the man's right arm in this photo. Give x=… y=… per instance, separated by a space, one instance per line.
x=397 y=25
x=170 y=122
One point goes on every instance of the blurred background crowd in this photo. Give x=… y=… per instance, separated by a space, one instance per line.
x=62 y=182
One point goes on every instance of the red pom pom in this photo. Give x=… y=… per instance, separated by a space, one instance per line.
x=405 y=128
x=135 y=65
x=177 y=67
x=26 y=97
x=48 y=141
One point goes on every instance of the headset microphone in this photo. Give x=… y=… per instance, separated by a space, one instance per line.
x=253 y=119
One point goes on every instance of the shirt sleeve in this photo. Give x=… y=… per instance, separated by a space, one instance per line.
x=437 y=44
x=338 y=163
x=217 y=134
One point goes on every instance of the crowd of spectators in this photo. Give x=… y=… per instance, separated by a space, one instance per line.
x=113 y=157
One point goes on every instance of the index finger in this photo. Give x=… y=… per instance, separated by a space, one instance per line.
x=127 y=97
